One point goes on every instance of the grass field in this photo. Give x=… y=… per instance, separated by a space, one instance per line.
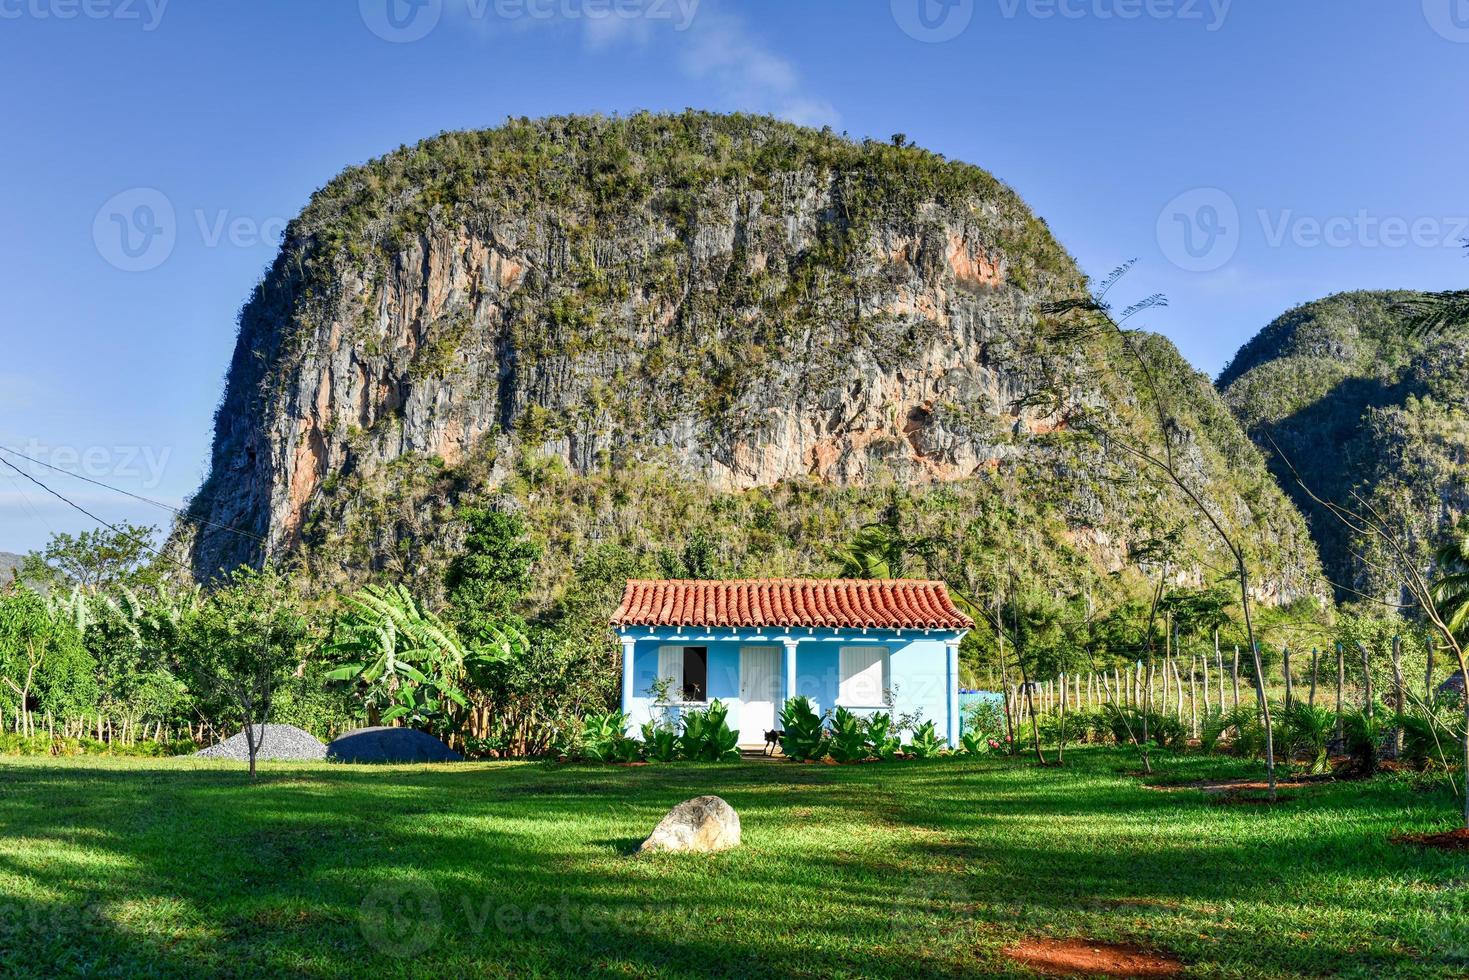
x=173 y=867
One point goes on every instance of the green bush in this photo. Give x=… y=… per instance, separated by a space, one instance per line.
x=926 y=743
x=1308 y=730
x=660 y=742
x=604 y=738
x=849 y=737
x=1364 y=733
x=974 y=743
x=805 y=732
x=883 y=740
x=19 y=745
x=706 y=735
x=1077 y=727
x=1127 y=725
x=1431 y=737
x=1241 y=728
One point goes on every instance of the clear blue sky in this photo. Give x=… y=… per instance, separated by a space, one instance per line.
x=1335 y=129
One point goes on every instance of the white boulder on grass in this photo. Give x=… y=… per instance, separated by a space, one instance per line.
x=701 y=825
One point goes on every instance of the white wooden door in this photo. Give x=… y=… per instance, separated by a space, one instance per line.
x=759 y=692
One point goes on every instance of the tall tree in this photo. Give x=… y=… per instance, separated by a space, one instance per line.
x=94 y=560
x=490 y=576
x=242 y=642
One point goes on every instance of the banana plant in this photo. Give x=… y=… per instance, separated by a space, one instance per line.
x=406 y=662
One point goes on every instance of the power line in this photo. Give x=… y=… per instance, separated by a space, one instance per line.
x=135 y=538
x=127 y=493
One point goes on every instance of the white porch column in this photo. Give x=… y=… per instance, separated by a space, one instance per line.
x=790 y=691
x=952 y=651
x=629 y=645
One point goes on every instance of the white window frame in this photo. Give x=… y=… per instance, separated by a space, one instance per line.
x=845 y=675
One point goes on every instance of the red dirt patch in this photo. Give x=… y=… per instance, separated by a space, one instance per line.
x=1231 y=785
x=1085 y=958
x=1453 y=840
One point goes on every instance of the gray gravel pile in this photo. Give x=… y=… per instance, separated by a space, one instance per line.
x=281 y=743
x=390 y=745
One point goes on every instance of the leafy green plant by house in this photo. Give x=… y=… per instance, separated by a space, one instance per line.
x=604 y=738
x=805 y=731
x=925 y=743
x=706 y=735
x=660 y=741
x=974 y=742
x=849 y=741
x=883 y=739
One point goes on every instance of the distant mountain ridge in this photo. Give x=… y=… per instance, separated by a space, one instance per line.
x=1359 y=404
x=8 y=563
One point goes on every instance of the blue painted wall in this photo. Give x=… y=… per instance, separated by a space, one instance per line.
x=919 y=679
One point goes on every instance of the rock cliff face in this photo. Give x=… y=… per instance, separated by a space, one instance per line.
x=738 y=302
x=1360 y=405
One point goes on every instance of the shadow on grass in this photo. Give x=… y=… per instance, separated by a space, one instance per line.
x=872 y=870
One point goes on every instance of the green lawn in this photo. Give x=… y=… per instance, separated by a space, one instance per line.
x=178 y=867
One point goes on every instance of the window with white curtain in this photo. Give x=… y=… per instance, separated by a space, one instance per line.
x=688 y=669
x=864 y=677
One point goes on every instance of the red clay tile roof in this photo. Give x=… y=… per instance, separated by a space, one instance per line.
x=877 y=603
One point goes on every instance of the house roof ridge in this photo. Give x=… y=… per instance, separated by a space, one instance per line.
x=832 y=603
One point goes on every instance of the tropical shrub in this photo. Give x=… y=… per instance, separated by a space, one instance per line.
x=1431 y=736
x=1240 y=728
x=926 y=743
x=805 y=731
x=1364 y=732
x=974 y=743
x=706 y=735
x=1077 y=727
x=403 y=662
x=660 y=742
x=1125 y=723
x=986 y=718
x=849 y=737
x=883 y=740
x=604 y=738
x=1308 y=730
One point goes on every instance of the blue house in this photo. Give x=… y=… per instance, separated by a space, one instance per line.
x=866 y=645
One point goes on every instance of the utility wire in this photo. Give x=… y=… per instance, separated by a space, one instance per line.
x=127 y=493
x=136 y=538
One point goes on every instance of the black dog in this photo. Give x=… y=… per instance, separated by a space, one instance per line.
x=772 y=740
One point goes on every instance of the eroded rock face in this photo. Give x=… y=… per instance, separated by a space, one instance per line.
x=767 y=328
x=738 y=300
x=703 y=825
